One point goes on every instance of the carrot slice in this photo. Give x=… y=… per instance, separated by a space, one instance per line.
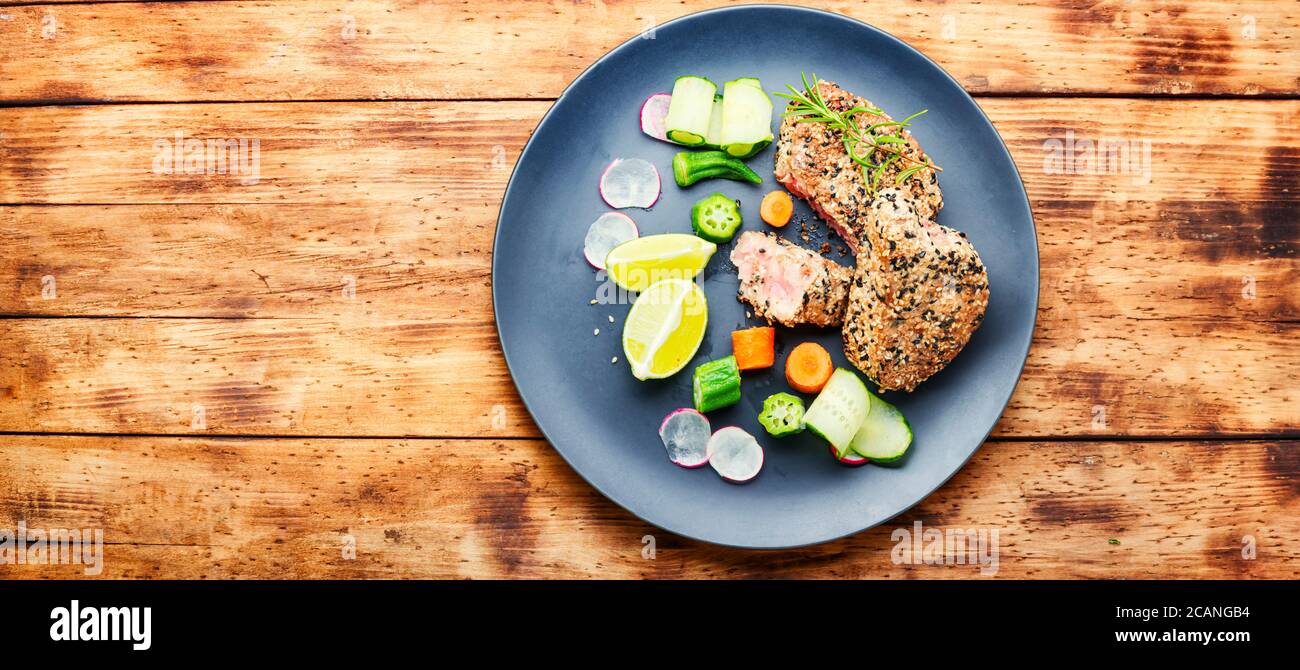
x=754 y=348
x=776 y=208
x=808 y=368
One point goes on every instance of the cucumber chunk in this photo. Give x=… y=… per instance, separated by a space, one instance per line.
x=746 y=118
x=689 y=111
x=885 y=435
x=839 y=410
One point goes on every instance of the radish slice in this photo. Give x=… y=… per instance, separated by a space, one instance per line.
x=685 y=433
x=654 y=114
x=850 y=458
x=630 y=182
x=606 y=232
x=735 y=454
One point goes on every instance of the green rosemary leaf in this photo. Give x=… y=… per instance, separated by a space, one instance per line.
x=907 y=174
x=875 y=177
x=885 y=124
x=908 y=120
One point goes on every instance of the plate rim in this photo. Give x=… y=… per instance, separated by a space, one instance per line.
x=1033 y=229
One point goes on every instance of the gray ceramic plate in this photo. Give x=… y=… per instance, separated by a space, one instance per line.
x=605 y=423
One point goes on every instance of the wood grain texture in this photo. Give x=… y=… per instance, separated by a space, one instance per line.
x=430 y=262
x=319 y=377
x=260 y=377
x=189 y=508
x=1168 y=302
x=369 y=49
x=461 y=153
x=346 y=153
x=340 y=301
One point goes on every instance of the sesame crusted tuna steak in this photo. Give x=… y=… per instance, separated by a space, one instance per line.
x=919 y=292
x=812 y=162
x=788 y=284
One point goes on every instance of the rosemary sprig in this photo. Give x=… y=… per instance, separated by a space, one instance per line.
x=860 y=143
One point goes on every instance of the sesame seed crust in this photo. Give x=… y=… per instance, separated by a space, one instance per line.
x=919 y=292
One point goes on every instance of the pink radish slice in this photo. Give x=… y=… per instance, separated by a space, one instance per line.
x=685 y=433
x=851 y=458
x=735 y=454
x=654 y=114
x=606 y=232
x=630 y=182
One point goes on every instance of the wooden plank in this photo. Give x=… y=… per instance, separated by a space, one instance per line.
x=367 y=49
x=260 y=377
x=11 y=3
x=347 y=153
x=460 y=152
x=192 y=508
x=387 y=262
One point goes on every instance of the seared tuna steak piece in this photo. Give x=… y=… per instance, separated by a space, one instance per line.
x=919 y=292
x=812 y=162
x=788 y=284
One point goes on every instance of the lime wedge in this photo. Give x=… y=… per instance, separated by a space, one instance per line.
x=636 y=264
x=664 y=328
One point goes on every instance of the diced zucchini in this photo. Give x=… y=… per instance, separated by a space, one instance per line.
x=839 y=410
x=746 y=118
x=885 y=436
x=690 y=109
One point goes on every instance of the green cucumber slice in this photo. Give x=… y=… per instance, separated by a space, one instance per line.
x=746 y=118
x=839 y=410
x=689 y=110
x=713 y=138
x=716 y=218
x=885 y=435
x=715 y=384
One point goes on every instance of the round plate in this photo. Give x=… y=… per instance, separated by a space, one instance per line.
x=605 y=423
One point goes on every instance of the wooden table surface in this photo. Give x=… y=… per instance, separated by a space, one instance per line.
x=243 y=377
